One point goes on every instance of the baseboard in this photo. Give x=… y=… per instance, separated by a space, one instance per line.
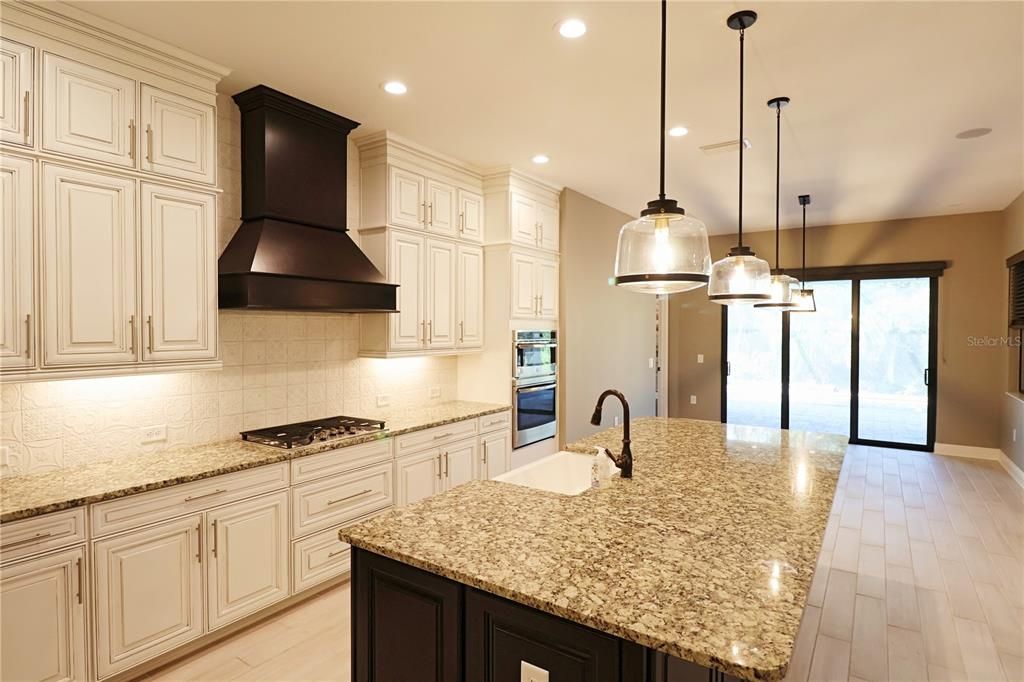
x=1011 y=468
x=968 y=451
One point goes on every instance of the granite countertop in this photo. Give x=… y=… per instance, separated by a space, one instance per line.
x=25 y=496
x=706 y=554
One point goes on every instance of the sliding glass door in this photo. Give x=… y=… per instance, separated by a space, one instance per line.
x=862 y=366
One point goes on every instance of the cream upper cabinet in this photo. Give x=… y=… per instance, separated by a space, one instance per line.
x=18 y=93
x=418 y=477
x=495 y=454
x=179 y=287
x=89 y=273
x=547 y=289
x=460 y=462
x=178 y=136
x=441 y=274
x=406 y=261
x=441 y=215
x=42 y=618
x=471 y=215
x=149 y=592
x=469 y=293
x=17 y=280
x=524 y=219
x=547 y=226
x=248 y=557
x=406 y=202
x=88 y=112
x=524 y=285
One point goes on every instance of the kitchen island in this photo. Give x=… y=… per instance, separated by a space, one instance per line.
x=696 y=568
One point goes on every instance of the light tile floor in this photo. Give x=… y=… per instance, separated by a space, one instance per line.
x=921 y=577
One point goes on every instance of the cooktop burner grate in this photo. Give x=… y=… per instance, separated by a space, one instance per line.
x=304 y=433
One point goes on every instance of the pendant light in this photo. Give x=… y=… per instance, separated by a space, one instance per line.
x=741 y=277
x=664 y=251
x=781 y=288
x=803 y=300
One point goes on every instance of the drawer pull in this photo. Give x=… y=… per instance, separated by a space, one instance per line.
x=443 y=435
x=349 y=497
x=334 y=554
x=78 y=567
x=27 y=541
x=192 y=498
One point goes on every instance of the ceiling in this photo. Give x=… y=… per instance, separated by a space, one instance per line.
x=879 y=91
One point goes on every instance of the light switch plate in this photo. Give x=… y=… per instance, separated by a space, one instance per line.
x=693 y=400
x=528 y=672
x=700 y=358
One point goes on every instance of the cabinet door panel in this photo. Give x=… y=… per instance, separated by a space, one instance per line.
x=461 y=463
x=471 y=216
x=18 y=93
x=42 y=618
x=496 y=455
x=405 y=268
x=441 y=208
x=547 y=289
x=179 y=270
x=178 y=136
x=89 y=267
x=524 y=219
x=418 y=477
x=17 y=281
x=547 y=217
x=88 y=112
x=524 y=286
x=148 y=593
x=405 y=199
x=248 y=549
x=469 y=293
x=441 y=272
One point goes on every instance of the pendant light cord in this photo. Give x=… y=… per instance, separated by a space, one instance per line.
x=742 y=31
x=664 y=41
x=803 y=264
x=778 y=174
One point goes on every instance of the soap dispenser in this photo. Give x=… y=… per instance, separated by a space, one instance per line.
x=601 y=468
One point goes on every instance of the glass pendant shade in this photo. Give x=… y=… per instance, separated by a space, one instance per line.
x=741 y=278
x=803 y=301
x=780 y=291
x=663 y=253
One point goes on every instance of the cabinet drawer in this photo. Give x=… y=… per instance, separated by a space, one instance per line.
x=139 y=510
x=42 y=533
x=332 y=501
x=493 y=422
x=429 y=438
x=317 y=558
x=340 y=460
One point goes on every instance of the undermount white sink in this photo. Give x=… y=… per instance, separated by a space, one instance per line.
x=566 y=473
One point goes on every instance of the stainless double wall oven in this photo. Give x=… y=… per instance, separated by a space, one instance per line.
x=535 y=386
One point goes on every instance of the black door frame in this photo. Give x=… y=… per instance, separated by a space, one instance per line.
x=933 y=270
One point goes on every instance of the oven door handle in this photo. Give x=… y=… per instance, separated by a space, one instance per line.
x=538 y=344
x=534 y=389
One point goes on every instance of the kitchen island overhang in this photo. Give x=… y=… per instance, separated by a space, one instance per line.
x=706 y=555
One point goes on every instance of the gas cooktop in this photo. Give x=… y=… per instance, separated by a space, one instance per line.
x=304 y=433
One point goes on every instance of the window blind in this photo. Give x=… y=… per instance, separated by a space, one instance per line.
x=1016 y=266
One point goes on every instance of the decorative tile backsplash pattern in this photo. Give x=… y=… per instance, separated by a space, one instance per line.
x=278 y=368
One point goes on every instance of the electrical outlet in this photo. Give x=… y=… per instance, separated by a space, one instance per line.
x=528 y=672
x=693 y=400
x=1015 y=435
x=434 y=392
x=700 y=358
x=383 y=400
x=153 y=434
x=650 y=363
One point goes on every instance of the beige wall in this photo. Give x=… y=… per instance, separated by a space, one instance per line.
x=971 y=377
x=607 y=335
x=1013 y=402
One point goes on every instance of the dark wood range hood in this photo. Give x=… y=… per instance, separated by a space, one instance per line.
x=292 y=250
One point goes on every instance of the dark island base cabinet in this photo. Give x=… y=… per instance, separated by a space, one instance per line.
x=410 y=625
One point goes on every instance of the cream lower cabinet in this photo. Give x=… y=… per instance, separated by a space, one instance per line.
x=248 y=550
x=418 y=476
x=460 y=463
x=42 y=618
x=149 y=592
x=495 y=453
x=17 y=274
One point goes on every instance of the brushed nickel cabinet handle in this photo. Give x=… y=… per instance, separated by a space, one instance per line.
x=131 y=140
x=78 y=568
x=28 y=336
x=446 y=465
x=27 y=541
x=149 y=326
x=422 y=215
x=485 y=456
x=336 y=553
x=349 y=497
x=430 y=214
x=214 y=538
x=131 y=340
x=28 y=115
x=430 y=331
x=443 y=435
x=439 y=466
x=462 y=332
x=199 y=542
x=462 y=223
x=149 y=143
x=423 y=332
x=218 y=491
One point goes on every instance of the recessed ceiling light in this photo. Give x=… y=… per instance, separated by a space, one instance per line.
x=394 y=87
x=541 y=159
x=572 y=28
x=678 y=131
x=972 y=133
